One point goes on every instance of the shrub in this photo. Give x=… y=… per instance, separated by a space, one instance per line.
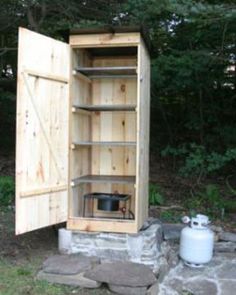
x=7 y=190
x=155 y=195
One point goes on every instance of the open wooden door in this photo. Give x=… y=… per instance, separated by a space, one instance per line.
x=42 y=131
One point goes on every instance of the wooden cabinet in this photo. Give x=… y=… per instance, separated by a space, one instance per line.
x=82 y=127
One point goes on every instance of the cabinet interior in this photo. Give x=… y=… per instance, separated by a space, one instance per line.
x=103 y=129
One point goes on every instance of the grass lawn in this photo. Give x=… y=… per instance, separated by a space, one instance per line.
x=21 y=258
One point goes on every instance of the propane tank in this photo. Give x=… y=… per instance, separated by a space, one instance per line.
x=196 y=241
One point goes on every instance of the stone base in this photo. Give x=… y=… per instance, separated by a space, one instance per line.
x=77 y=280
x=143 y=247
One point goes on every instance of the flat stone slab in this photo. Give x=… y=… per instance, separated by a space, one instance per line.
x=72 y=280
x=128 y=290
x=143 y=247
x=69 y=264
x=228 y=271
x=215 y=278
x=227 y=236
x=201 y=287
x=172 y=231
x=123 y=274
x=229 y=247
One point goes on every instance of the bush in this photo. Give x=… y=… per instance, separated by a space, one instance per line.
x=197 y=160
x=7 y=190
x=155 y=195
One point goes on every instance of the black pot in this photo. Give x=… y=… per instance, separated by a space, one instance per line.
x=108 y=204
x=106 y=201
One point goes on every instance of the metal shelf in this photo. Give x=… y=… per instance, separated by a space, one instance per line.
x=108 y=72
x=104 y=108
x=103 y=179
x=102 y=143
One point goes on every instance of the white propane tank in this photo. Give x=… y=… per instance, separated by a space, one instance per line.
x=196 y=241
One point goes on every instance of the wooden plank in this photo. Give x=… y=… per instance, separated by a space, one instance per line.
x=143 y=121
x=116 y=225
x=42 y=130
x=103 y=179
x=80 y=129
x=46 y=76
x=43 y=191
x=105 y=40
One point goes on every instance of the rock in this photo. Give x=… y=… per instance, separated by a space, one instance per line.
x=225 y=247
x=163 y=270
x=227 y=271
x=150 y=221
x=172 y=258
x=228 y=287
x=216 y=229
x=123 y=274
x=142 y=247
x=201 y=287
x=64 y=240
x=176 y=284
x=72 y=280
x=153 y=290
x=227 y=236
x=172 y=231
x=69 y=264
x=124 y=290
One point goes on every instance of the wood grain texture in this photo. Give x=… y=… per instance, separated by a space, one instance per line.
x=102 y=225
x=105 y=40
x=80 y=130
x=143 y=130
x=42 y=131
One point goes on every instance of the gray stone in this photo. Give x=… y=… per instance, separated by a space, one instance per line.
x=201 y=287
x=176 y=284
x=64 y=240
x=172 y=258
x=68 y=264
x=153 y=290
x=163 y=270
x=227 y=236
x=216 y=229
x=172 y=231
x=124 y=290
x=150 y=221
x=143 y=247
x=228 y=287
x=122 y=273
x=227 y=271
x=225 y=247
x=71 y=280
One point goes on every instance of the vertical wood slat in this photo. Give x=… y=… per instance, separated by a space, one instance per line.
x=143 y=127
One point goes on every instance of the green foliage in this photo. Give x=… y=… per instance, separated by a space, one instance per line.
x=193 y=69
x=7 y=190
x=155 y=195
x=212 y=198
x=170 y=216
x=23 y=271
x=198 y=161
x=209 y=201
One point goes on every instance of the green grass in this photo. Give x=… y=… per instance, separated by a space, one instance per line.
x=21 y=280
